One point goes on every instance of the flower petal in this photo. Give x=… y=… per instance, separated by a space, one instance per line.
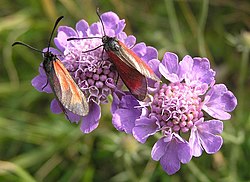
x=169 y=67
x=61 y=41
x=70 y=32
x=55 y=107
x=40 y=81
x=124 y=119
x=116 y=100
x=154 y=65
x=81 y=28
x=170 y=162
x=158 y=150
x=140 y=49
x=145 y=127
x=210 y=142
x=171 y=153
x=186 y=65
x=184 y=154
x=170 y=61
x=194 y=143
x=205 y=135
x=130 y=41
x=124 y=111
x=212 y=126
x=200 y=72
x=151 y=53
x=91 y=121
x=112 y=22
x=73 y=117
x=219 y=101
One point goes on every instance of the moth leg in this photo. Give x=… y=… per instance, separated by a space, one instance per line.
x=45 y=84
x=102 y=53
x=117 y=78
x=46 y=81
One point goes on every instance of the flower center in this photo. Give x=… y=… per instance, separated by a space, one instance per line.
x=176 y=106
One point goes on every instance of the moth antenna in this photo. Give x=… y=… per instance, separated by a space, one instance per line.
x=26 y=45
x=93 y=49
x=51 y=35
x=81 y=38
x=98 y=14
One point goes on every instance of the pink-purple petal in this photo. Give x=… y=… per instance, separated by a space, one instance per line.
x=124 y=111
x=91 y=120
x=120 y=26
x=112 y=22
x=116 y=100
x=72 y=117
x=170 y=61
x=124 y=119
x=154 y=65
x=95 y=29
x=145 y=127
x=169 y=67
x=140 y=49
x=205 y=135
x=39 y=83
x=184 y=152
x=186 y=65
x=170 y=162
x=219 y=101
x=81 y=28
x=70 y=32
x=213 y=126
x=130 y=41
x=195 y=144
x=200 y=72
x=172 y=77
x=171 y=153
x=61 y=41
x=151 y=53
x=55 y=107
x=210 y=142
x=158 y=149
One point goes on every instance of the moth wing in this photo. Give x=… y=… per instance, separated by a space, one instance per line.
x=132 y=78
x=131 y=59
x=67 y=91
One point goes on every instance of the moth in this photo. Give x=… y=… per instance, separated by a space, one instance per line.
x=66 y=91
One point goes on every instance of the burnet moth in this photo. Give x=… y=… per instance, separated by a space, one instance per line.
x=66 y=91
x=130 y=67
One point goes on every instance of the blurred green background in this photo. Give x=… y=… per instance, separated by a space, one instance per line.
x=36 y=145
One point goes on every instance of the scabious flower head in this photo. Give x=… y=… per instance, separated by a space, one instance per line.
x=93 y=71
x=176 y=110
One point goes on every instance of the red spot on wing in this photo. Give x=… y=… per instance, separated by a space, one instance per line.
x=133 y=79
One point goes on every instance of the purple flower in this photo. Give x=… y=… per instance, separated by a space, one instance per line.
x=176 y=110
x=171 y=150
x=204 y=135
x=93 y=71
x=123 y=119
